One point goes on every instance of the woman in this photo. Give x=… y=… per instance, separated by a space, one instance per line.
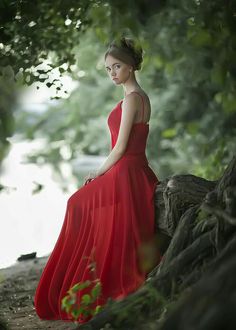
x=109 y=221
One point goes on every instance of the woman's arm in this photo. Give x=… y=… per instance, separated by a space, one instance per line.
x=113 y=157
x=129 y=109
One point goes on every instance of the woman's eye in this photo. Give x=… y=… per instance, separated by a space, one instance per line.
x=117 y=66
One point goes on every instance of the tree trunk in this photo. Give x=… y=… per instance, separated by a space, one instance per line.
x=196 y=231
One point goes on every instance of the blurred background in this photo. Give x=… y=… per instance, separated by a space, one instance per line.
x=55 y=97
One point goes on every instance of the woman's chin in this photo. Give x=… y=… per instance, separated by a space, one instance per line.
x=117 y=82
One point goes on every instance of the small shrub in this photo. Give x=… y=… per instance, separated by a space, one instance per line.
x=85 y=307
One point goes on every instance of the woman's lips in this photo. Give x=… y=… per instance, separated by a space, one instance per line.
x=114 y=78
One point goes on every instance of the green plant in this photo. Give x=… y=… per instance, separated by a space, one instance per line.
x=85 y=307
x=70 y=305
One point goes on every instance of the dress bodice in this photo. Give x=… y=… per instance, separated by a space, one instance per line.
x=138 y=135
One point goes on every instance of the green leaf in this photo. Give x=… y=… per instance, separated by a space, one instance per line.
x=218 y=75
x=64 y=301
x=96 y=290
x=86 y=299
x=98 y=309
x=75 y=313
x=80 y=285
x=192 y=128
x=201 y=38
x=61 y=70
x=169 y=133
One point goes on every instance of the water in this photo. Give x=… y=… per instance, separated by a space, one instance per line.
x=32 y=222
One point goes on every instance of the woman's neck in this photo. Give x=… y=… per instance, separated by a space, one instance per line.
x=131 y=85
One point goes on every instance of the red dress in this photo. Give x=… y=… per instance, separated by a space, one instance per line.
x=106 y=221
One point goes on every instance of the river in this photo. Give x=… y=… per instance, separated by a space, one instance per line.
x=31 y=222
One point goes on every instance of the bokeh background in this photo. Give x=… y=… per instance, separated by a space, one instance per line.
x=55 y=97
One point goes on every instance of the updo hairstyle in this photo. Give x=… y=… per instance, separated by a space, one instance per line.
x=126 y=51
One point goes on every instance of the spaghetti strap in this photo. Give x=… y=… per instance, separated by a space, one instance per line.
x=142 y=102
x=120 y=255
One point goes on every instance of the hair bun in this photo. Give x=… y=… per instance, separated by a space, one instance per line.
x=132 y=49
x=135 y=50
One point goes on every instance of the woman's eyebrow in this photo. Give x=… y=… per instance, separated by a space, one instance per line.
x=112 y=65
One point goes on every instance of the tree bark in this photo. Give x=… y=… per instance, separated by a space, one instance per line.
x=197 y=219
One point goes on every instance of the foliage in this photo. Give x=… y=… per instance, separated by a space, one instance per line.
x=7 y=102
x=189 y=73
x=192 y=67
x=85 y=307
x=70 y=305
x=32 y=31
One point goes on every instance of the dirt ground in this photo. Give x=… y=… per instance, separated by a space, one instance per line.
x=17 y=289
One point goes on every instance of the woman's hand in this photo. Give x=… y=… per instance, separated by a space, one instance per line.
x=91 y=176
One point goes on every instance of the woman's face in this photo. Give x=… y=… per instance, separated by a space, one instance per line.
x=117 y=70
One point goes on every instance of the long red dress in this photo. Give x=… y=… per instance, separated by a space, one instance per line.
x=106 y=221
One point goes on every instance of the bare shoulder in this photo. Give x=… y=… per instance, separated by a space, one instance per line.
x=131 y=98
x=134 y=98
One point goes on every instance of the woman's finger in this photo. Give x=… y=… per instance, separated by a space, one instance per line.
x=87 y=181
